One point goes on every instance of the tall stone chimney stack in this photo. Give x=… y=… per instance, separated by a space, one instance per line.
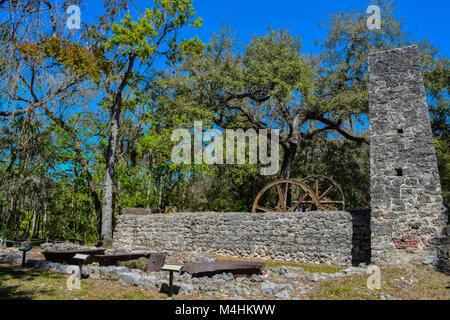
x=406 y=198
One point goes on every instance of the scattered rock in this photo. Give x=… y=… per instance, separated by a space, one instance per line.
x=236 y=292
x=185 y=288
x=384 y=296
x=281 y=270
x=353 y=271
x=284 y=295
x=223 y=276
x=283 y=286
x=11 y=258
x=257 y=278
x=268 y=287
x=400 y=286
x=275 y=282
x=130 y=278
x=314 y=277
x=148 y=282
x=112 y=272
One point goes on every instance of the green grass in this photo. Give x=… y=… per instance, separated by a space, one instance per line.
x=308 y=268
x=430 y=285
x=16 y=283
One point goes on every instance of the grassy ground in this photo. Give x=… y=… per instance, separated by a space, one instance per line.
x=412 y=282
x=16 y=283
x=274 y=263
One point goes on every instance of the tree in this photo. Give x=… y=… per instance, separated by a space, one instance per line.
x=270 y=86
x=152 y=35
x=34 y=86
x=115 y=60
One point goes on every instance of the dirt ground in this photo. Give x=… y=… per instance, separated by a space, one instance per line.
x=413 y=281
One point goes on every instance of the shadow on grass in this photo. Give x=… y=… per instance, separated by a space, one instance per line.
x=15 y=291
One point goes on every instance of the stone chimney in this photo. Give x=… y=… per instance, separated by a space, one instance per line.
x=406 y=198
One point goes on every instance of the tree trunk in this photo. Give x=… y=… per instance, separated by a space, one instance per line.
x=44 y=222
x=160 y=192
x=149 y=184
x=288 y=160
x=108 y=183
x=11 y=212
x=31 y=225
x=37 y=226
x=149 y=189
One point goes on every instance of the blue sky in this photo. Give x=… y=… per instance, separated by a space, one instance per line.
x=427 y=19
x=249 y=17
x=252 y=17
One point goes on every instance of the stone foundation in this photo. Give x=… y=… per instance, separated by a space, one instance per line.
x=336 y=237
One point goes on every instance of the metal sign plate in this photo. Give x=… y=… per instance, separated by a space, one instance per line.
x=80 y=256
x=171 y=267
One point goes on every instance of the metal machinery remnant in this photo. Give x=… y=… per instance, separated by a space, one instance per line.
x=156 y=261
x=99 y=256
x=328 y=192
x=112 y=259
x=66 y=256
x=202 y=269
x=288 y=195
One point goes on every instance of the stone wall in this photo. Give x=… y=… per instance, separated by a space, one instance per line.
x=339 y=238
x=406 y=201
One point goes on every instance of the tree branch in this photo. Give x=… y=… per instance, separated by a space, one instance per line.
x=336 y=126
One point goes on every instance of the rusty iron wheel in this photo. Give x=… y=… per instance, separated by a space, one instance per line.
x=286 y=195
x=328 y=192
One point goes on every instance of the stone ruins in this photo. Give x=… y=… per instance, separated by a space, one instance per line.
x=406 y=217
x=406 y=197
